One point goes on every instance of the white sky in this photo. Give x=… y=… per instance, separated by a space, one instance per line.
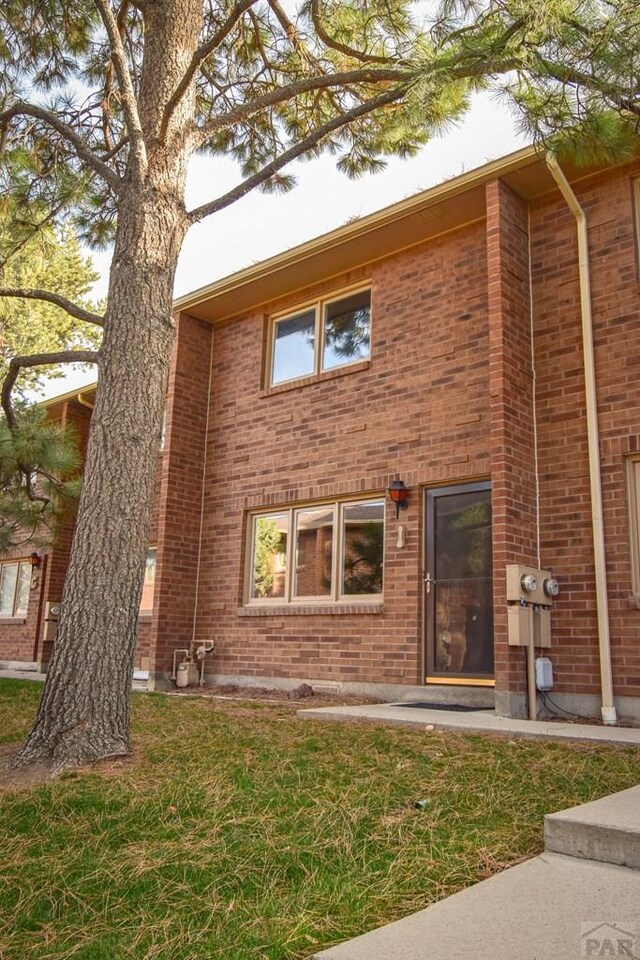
x=261 y=225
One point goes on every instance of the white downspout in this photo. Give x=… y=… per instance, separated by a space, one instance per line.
x=608 y=709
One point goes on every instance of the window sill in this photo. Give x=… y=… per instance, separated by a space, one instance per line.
x=12 y=621
x=634 y=602
x=145 y=617
x=316 y=378
x=310 y=609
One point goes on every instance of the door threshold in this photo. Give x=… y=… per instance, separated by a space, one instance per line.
x=460 y=681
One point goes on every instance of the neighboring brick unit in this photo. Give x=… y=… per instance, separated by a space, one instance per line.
x=475 y=374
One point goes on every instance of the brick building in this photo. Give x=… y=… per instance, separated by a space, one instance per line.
x=446 y=342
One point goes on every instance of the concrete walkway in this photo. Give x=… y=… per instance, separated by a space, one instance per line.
x=579 y=898
x=138 y=683
x=478 y=721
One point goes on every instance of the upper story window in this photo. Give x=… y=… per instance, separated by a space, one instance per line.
x=328 y=552
x=15 y=583
x=324 y=335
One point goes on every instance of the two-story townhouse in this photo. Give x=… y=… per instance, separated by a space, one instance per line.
x=474 y=347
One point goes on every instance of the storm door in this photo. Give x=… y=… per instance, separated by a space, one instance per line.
x=457 y=583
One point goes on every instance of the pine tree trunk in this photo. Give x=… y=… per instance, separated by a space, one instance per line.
x=84 y=711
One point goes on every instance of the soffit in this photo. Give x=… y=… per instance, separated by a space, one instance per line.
x=431 y=213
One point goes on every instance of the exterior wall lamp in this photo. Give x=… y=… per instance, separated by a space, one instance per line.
x=399 y=495
x=35 y=560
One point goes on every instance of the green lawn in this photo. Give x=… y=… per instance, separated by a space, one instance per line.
x=239 y=832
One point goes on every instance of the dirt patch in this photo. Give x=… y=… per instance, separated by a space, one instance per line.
x=21 y=778
x=303 y=695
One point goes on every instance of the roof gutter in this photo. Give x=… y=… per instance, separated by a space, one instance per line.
x=608 y=709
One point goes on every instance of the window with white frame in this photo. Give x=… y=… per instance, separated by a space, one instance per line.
x=324 y=335
x=149 y=582
x=15 y=583
x=633 y=478
x=326 y=552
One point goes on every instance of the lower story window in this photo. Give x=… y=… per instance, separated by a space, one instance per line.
x=633 y=476
x=325 y=552
x=15 y=583
x=149 y=583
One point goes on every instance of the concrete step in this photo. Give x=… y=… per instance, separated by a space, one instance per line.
x=550 y=908
x=607 y=830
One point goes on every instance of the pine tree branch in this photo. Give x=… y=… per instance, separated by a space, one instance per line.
x=374 y=103
x=291 y=90
x=28 y=293
x=16 y=364
x=125 y=83
x=198 y=58
x=333 y=44
x=82 y=149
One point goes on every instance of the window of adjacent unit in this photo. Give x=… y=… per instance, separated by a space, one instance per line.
x=148 y=586
x=322 y=336
x=633 y=475
x=636 y=206
x=318 y=553
x=15 y=583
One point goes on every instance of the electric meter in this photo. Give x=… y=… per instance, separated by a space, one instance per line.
x=551 y=587
x=529 y=582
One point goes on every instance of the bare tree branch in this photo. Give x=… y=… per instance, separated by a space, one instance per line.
x=127 y=93
x=82 y=149
x=28 y=293
x=291 y=90
x=16 y=364
x=198 y=58
x=341 y=47
x=382 y=100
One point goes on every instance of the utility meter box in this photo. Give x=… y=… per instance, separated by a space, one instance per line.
x=530 y=585
x=519 y=625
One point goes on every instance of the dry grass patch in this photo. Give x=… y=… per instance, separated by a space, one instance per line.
x=240 y=832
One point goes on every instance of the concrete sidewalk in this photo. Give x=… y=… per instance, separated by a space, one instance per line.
x=554 y=907
x=478 y=721
x=138 y=682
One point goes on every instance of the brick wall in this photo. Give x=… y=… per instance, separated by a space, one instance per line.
x=567 y=544
x=179 y=500
x=511 y=405
x=418 y=409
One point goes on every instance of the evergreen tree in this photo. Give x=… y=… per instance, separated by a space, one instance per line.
x=102 y=106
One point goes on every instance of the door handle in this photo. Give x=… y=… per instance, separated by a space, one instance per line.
x=428 y=580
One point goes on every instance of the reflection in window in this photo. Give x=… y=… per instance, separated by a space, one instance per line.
x=269 y=568
x=363 y=548
x=335 y=550
x=148 y=586
x=347 y=330
x=330 y=334
x=314 y=549
x=15 y=584
x=294 y=347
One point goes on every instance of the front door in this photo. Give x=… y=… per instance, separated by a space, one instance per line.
x=457 y=583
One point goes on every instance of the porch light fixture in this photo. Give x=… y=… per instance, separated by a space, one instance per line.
x=35 y=560
x=399 y=494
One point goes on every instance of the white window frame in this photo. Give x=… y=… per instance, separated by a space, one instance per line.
x=319 y=307
x=148 y=611
x=337 y=556
x=633 y=487
x=15 y=615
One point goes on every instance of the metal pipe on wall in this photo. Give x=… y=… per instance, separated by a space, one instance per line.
x=608 y=709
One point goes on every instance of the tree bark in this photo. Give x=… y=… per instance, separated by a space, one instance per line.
x=84 y=711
